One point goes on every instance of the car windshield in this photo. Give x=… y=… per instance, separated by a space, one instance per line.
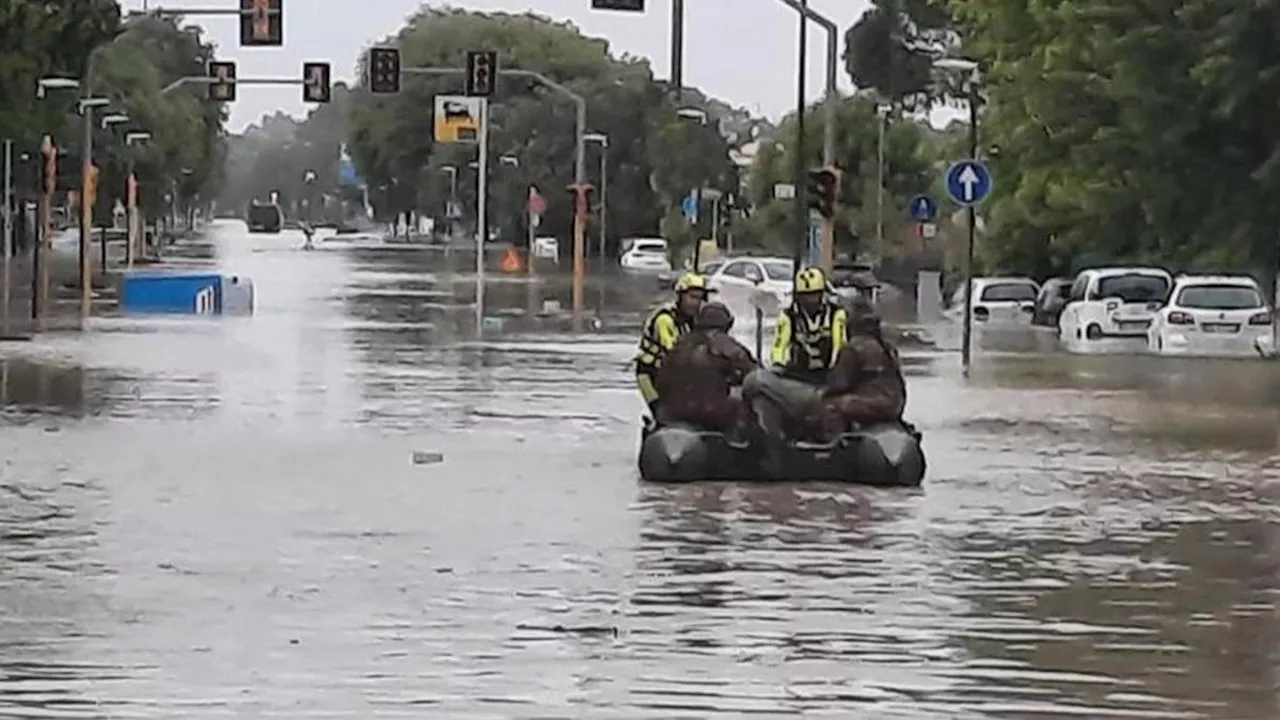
x=779 y=269
x=1219 y=297
x=1134 y=288
x=1009 y=292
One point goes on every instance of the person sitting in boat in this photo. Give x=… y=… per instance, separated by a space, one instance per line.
x=699 y=373
x=664 y=327
x=809 y=334
x=865 y=387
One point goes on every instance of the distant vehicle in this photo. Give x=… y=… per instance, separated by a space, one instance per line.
x=645 y=255
x=546 y=248
x=1111 y=309
x=855 y=278
x=264 y=218
x=997 y=301
x=1212 y=316
x=1053 y=295
x=737 y=279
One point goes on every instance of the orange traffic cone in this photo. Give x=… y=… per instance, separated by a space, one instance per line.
x=511 y=261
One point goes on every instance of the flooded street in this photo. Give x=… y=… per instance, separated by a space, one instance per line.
x=206 y=518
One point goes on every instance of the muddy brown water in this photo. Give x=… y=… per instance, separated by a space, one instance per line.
x=223 y=519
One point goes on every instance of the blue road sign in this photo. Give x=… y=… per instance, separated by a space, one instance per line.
x=923 y=209
x=690 y=207
x=968 y=182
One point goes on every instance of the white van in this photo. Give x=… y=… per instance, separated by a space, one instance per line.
x=1110 y=309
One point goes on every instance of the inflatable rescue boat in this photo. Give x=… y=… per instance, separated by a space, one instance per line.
x=889 y=455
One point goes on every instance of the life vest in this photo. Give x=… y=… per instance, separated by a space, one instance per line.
x=651 y=352
x=812 y=343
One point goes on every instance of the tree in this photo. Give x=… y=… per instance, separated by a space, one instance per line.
x=907 y=172
x=890 y=49
x=185 y=151
x=393 y=150
x=43 y=39
x=1107 y=119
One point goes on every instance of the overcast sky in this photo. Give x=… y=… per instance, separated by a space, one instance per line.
x=742 y=51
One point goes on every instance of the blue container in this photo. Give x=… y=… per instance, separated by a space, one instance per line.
x=178 y=293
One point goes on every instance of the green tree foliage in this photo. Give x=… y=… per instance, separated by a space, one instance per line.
x=908 y=170
x=277 y=154
x=890 y=49
x=654 y=156
x=44 y=39
x=1143 y=131
x=186 y=149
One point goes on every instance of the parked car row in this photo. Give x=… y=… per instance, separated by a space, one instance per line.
x=1132 y=310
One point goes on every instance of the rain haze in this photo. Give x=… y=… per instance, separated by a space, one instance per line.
x=741 y=51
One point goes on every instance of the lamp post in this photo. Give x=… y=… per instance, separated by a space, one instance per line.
x=108 y=121
x=970 y=67
x=882 y=115
x=136 y=137
x=603 y=141
x=44 y=221
x=86 y=106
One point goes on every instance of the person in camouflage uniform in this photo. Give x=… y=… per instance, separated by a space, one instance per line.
x=698 y=374
x=865 y=385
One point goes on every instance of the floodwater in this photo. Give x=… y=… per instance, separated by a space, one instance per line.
x=223 y=518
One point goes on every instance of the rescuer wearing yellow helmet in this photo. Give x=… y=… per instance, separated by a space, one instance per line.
x=811 y=331
x=665 y=326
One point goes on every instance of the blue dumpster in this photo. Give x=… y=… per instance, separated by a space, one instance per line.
x=180 y=293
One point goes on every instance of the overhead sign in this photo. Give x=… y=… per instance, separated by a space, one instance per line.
x=923 y=209
x=968 y=182
x=457 y=118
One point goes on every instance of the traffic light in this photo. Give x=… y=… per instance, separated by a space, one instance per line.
x=316 y=87
x=624 y=5
x=223 y=87
x=384 y=70
x=261 y=23
x=482 y=68
x=824 y=191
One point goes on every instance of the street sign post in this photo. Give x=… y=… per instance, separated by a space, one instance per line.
x=457 y=119
x=968 y=182
x=923 y=209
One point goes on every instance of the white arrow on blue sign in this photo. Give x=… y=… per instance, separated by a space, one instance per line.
x=923 y=208
x=968 y=182
x=689 y=206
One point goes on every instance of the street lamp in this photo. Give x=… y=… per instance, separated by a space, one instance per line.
x=691 y=113
x=44 y=85
x=131 y=138
x=86 y=106
x=510 y=160
x=882 y=114
x=114 y=119
x=603 y=141
x=963 y=65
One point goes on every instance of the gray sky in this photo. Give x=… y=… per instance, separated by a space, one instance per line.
x=742 y=51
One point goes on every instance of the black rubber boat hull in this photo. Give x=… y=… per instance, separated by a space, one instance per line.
x=888 y=456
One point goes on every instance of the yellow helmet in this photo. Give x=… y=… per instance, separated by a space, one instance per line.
x=810 y=280
x=692 y=281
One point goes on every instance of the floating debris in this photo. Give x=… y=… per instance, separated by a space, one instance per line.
x=426 y=457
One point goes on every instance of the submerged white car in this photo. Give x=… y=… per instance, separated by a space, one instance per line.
x=1111 y=309
x=1213 y=316
x=997 y=301
x=645 y=255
